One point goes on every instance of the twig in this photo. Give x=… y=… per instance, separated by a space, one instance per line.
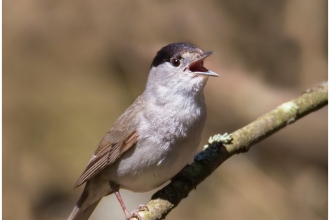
x=163 y=201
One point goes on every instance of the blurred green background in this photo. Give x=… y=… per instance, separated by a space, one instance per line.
x=70 y=68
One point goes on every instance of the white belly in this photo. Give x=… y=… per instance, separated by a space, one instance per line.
x=144 y=168
x=166 y=147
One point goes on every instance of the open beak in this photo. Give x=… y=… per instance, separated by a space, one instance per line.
x=197 y=66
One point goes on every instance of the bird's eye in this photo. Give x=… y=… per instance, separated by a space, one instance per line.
x=175 y=62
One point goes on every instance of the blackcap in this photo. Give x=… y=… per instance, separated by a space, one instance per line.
x=156 y=136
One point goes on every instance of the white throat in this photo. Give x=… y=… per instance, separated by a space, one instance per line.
x=166 y=85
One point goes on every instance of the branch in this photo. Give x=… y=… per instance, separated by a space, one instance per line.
x=163 y=201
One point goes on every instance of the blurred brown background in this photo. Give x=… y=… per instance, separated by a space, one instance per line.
x=70 y=68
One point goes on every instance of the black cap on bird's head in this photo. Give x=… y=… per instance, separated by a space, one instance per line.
x=174 y=53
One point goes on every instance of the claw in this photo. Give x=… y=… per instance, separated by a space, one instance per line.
x=143 y=208
x=135 y=213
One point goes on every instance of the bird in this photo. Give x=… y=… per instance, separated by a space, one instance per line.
x=155 y=137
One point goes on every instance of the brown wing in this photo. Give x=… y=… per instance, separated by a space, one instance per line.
x=105 y=154
x=119 y=139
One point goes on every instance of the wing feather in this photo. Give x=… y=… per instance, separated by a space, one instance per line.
x=105 y=154
x=119 y=139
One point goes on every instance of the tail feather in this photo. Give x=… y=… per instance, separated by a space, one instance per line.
x=81 y=212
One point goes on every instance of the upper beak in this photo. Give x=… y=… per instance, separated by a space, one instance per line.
x=197 y=65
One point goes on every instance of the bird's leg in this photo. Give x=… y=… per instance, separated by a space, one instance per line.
x=115 y=188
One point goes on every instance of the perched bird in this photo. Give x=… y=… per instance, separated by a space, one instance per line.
x=156 y=136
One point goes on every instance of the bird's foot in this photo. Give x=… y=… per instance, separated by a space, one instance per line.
x=135 y=213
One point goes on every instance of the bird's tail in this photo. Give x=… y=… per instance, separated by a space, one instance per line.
x=79 y=213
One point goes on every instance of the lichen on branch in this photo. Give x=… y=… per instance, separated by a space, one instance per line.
x=216 y=152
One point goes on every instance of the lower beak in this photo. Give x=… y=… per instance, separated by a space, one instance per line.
x=197 y=66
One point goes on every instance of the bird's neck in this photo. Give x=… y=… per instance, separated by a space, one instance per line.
x=164 y=89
